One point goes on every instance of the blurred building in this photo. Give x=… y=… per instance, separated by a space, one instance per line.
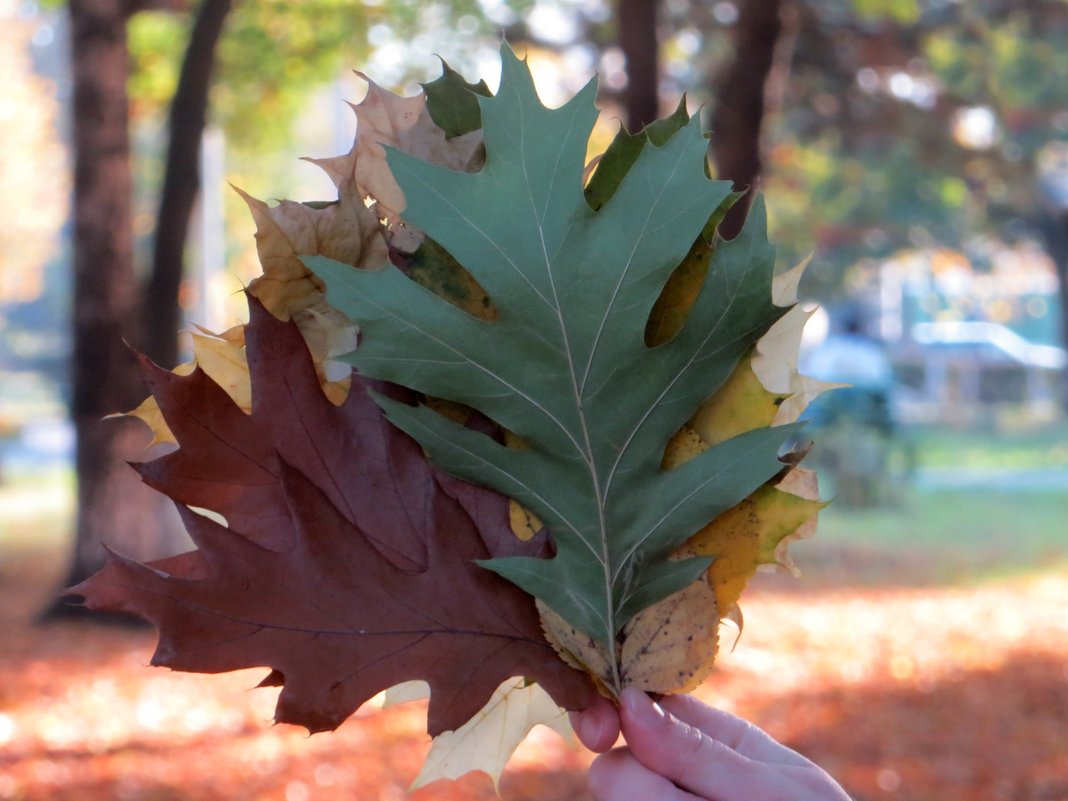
x=967 y=334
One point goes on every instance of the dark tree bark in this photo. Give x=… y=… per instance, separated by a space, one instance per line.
x=1054 y=227
x=749 y=87
x=181 y=184
x=113 y=505
x=638 y=40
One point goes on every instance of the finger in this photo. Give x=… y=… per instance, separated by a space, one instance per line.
x=741 y=735
x=683 y=753
x=618 y=776
x=597 y=726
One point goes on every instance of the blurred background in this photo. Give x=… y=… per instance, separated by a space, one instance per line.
x=917 y=149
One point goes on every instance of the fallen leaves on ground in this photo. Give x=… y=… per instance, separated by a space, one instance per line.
x=909 y=693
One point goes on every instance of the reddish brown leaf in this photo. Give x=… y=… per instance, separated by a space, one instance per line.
x=347 y=564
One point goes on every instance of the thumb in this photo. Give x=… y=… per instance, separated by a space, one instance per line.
x=682 y=753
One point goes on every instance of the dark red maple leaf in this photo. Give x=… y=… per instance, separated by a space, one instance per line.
x=347 y=563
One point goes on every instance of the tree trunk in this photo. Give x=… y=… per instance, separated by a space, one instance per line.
x=637 y=39
x=113 y=505
x=1054 y=227
x=181 y=184
x=746 y=91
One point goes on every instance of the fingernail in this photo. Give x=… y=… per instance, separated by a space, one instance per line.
x=588 y=730
x=641 y=707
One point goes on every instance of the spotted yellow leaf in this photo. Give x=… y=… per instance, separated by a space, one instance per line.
x=753 y=533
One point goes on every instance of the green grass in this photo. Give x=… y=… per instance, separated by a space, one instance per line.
x=1033 y=522
x=956 y=536
x=1012 y=448
x=1006 y=525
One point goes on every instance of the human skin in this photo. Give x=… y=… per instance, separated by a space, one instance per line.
x=682 y=750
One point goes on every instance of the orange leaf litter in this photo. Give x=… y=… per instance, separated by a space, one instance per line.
x=918 y=694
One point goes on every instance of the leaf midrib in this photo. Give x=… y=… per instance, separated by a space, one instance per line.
x=576 y=391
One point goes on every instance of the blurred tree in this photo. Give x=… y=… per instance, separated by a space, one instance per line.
x=918 y=123
x=112 y=503
x=746 y=78
x=747 y=88
x=636 y=21
x=268 y=59
x=270 y=55
x=882 y=124
x=181 y=183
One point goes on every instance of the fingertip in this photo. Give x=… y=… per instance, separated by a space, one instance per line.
x=606 y=772
x=639 y=709
x=606 y=767
x=597 y=726
x=618 y=776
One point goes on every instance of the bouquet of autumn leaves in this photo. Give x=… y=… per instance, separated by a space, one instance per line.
x=561 y=454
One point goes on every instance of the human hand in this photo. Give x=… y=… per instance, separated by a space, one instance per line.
x=682 y=750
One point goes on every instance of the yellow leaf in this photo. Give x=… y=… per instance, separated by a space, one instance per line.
x=405 y=692
x=741 y=404
x=456 y=412
x=753 y=533
x=488 y=740
x=525 y=524
x=148 y=412
x=803 y=484
x=775 y=365
x=667 y=647
x=577 y=648
x=673 y=306
x=765 y=387
x=670 y=646
x=434 y=268
x=225 y=363
x=683 y=446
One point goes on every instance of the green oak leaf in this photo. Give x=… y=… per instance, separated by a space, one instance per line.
x=453 y=102
x=624 y=151
x=565 y=366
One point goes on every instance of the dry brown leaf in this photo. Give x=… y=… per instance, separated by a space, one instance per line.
x=346 y=231
x=383 y=119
